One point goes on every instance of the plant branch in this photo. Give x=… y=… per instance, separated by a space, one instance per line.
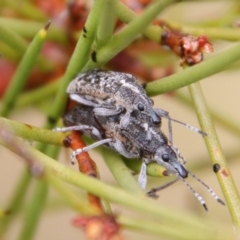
x=121 y=173
x=32 y=133
x=215 y=151
x=195 y=73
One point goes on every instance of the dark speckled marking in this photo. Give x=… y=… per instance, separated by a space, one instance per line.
x=94 y=56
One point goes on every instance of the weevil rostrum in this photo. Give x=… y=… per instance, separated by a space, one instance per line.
x=131 y=142
x=110 y=93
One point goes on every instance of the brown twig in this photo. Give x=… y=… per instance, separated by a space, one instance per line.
x=99 y=227
x=85 y=164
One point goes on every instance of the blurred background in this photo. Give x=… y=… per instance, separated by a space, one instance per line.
x=221 y=92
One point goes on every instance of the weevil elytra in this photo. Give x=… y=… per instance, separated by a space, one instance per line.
x=110 y=93
x=131 y=142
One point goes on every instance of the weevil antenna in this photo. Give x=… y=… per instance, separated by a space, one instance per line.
x=197 y=195
x=194 y=129
x=165 y=114
x=213 y=194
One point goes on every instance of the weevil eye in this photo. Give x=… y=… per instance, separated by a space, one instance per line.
x=140 y=107
x=165 y=157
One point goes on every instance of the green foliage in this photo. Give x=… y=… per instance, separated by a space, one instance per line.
x=101 y=39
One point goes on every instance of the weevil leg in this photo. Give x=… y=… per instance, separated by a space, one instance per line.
x=142 y=178
x=148 y=131
x=86 y=149
x=121 y=149
x=125 y=120
x=94 y=131
x=165 y=114
x=72 y=128
x=153 y=192
x=84 y=101
x=149 y=134
x=101 y=111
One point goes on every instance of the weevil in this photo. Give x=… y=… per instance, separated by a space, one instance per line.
x=110 y=93
x=131 y=142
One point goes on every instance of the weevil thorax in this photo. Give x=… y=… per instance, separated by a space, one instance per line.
x=132 y=96
x=166 y=157
x=129 y=92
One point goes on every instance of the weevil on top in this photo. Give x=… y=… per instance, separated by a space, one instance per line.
x=110 y=93
x=131 y=142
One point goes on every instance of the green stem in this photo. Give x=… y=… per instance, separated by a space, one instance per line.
x=33 y=133
x=215 y=151
x=96 y=187
x=12 y=39
x=126 y=15
x=76 y=63
x=121 y=172
x=160 y=229
x=15 y=202
x=21 y=75
x=9 y=53
x=28 y=29
x=36 y=205
x=195 y=73
x=153 y=169
x=70 y=197
x=37 y=95
x=27 y=9
x=33 y=210
x=127 y=35
x=106 y=22
x=229 y=34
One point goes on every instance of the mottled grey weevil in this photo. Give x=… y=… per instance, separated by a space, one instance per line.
x=110 y=93
x=131 y=142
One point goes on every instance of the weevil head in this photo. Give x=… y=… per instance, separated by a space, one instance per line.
x=145 y=105
x=166 y=157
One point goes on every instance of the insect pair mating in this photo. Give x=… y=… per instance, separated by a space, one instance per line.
x=119 y=115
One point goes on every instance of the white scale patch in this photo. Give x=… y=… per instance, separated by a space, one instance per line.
x=145 y=126
x=134 y=89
